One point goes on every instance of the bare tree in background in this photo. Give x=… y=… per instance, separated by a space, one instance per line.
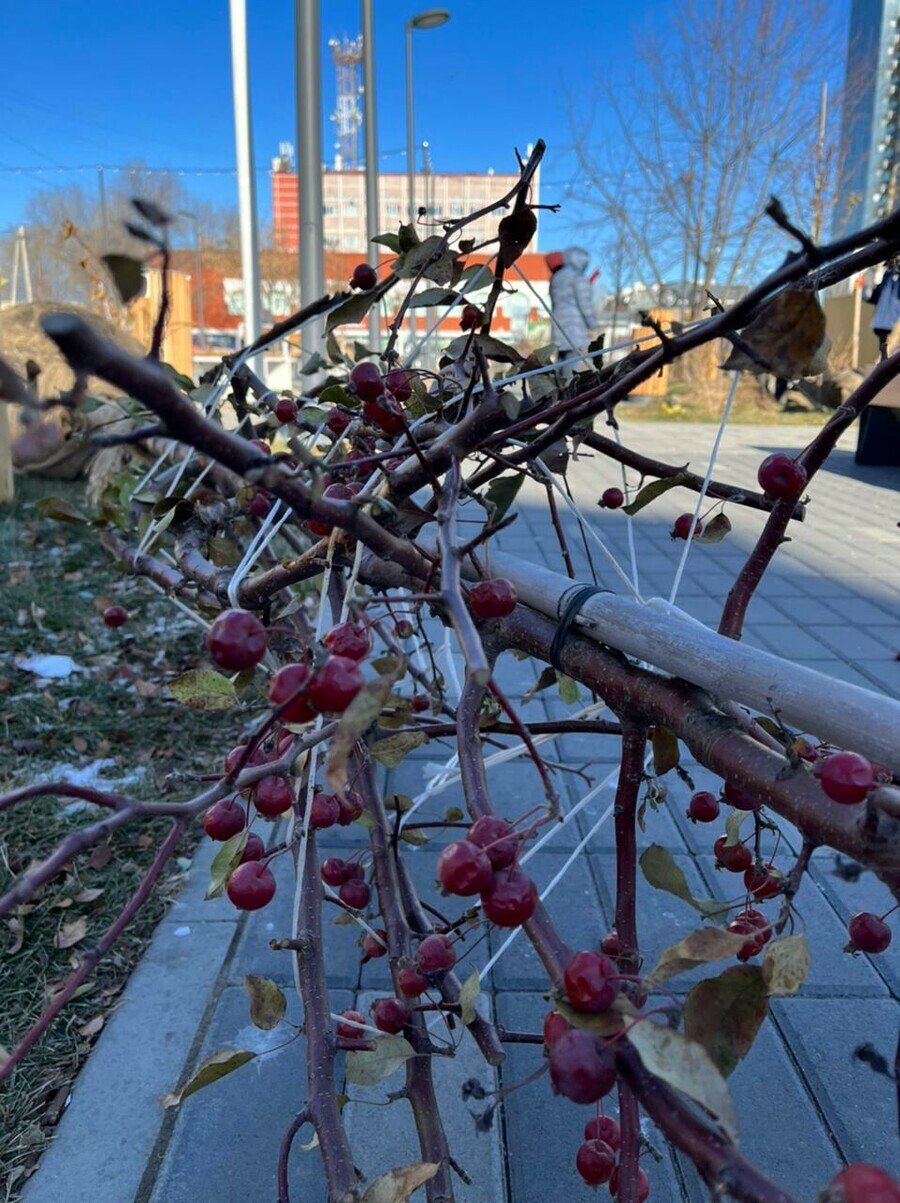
x=724 y=112
x=68 y=231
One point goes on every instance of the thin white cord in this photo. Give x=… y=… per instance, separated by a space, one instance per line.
x=702 y=496
x=632 y=551
x=467 y=287
x=586 y=526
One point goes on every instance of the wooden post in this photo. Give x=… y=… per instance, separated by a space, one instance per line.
x=7 y=483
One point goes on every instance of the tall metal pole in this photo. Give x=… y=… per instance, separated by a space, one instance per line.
x=371 y=151
x=410 y=133
x=246 y=178
x=309 y=165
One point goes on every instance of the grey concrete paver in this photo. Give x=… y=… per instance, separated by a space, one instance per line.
x=860 y=1106
x=830 y=600
x=107 y=1136
x=392 y=1141
x=781 y=1129
x=224 y=1141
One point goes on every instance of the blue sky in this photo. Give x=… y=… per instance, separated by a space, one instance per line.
x=117 y=81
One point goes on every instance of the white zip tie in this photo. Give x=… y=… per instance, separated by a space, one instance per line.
x=702 y=497
x=352 y=1023
x=268 y=529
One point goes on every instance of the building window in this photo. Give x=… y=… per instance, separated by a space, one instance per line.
x=351 y=209
x=329 y=210
x=456 y=210
x=352 y=241
x=392 y=209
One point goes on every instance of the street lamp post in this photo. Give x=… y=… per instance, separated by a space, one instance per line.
x=430 y=18
x=371 y=144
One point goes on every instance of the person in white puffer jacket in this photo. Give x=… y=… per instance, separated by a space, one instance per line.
x=572 y=303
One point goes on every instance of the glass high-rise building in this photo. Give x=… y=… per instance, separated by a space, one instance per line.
x=869 y=162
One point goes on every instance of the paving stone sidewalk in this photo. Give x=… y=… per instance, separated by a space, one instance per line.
x=829 y=602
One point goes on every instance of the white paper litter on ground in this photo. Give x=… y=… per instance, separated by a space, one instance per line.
x=54 y=668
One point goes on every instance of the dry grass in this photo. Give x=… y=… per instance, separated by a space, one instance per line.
x=114 y=711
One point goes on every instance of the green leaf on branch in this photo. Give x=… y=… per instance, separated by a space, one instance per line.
x=335 y=395
x=203 y=689
x=334 y=352
x=127 y=274
x=568 y=689
x=492 y=348
x=688 y=1067
x=663 y=873
x=433 y=296
x=501 y=493
x=468 y=993
x=61 y=511
x=314 y=364
x=369 y=1066
x=475 y=277
x=267 y=1003
x=715 y=530
x=352 y=311
x=544 y=681
x=725 y=1013
x=394 y=748
x=185 y=383
x=665 y=750
x=223 y=551
x=786 y=965
x=407 y=237
x=391 y=241
x=428 y=257
x=217 y=1066
x=226 y=859
x=603 y=1023
x=698 y=948
x=396 y=1186
x=655 y=489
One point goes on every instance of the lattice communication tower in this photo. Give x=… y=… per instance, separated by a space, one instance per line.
x=347 y=55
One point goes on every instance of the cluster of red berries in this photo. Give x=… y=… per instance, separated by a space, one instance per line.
x=302 y=692
x=382 y=396
x=484 y=863
x=582 y=1064
x=251 y=884
x=348 y=877
x=596 y=1158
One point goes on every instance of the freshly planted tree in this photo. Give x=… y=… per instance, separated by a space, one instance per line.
x=325 y=649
